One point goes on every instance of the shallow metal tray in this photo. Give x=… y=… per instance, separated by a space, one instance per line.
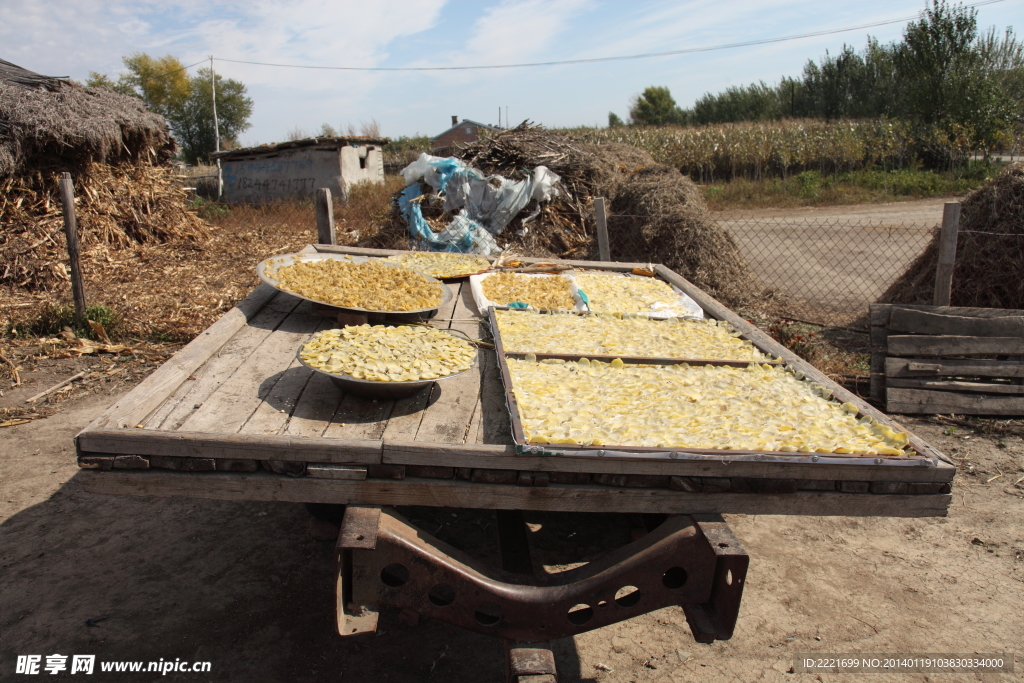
x=524 y=447
x=289 y=259
x=381 y=391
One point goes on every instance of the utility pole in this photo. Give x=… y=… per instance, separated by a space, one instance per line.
x=216 y=128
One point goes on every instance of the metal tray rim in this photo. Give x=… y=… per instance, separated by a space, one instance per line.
x=261 y=267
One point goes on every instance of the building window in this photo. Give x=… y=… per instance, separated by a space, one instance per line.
x=469 y=130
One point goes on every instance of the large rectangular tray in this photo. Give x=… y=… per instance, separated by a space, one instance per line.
x=523 y=446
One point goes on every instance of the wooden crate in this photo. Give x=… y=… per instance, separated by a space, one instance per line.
x=943 y=359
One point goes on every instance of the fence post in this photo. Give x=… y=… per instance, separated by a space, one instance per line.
x=324 y=217
x=601 y=220
x=67 y=200
x=947 y=253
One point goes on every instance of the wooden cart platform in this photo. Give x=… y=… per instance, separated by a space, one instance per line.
x=234 y=415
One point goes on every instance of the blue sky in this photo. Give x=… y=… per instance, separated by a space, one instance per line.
x=71 y=39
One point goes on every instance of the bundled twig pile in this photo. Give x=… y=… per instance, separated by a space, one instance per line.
x=989 y=252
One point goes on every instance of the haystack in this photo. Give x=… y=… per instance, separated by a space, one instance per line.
x=665 y=218
x=989 y=251
x=659 y=215
x=116 y=151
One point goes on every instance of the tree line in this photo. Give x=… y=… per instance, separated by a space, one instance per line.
x=164 y=84
x=944 y=77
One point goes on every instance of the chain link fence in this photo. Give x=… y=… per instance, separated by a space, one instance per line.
x=820 y=270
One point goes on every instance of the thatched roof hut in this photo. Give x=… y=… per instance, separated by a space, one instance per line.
x=48 y=122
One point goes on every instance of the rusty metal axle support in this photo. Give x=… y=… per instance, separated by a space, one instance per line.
x=384 y=561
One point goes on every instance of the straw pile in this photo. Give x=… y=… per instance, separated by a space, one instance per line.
x=59 y=124
x=660 y=214
x=989 y=252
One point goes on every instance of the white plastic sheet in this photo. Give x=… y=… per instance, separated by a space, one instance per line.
x=480 y=202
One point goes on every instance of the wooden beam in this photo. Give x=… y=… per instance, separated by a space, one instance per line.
x=67 y=200
x=926 y=322
x=953 y=385
x=456 y=493
x=936 y=402
x=947 y=253
x=504 y=457
x=950 y=345
x=229 y=446
x=601 y=224
x=880 y=312
x=945 y=367
x=325 y=217
x=132 y=408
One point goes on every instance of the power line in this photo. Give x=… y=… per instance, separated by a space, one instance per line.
x=594 y=60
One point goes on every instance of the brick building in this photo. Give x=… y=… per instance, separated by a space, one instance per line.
x=464 y=131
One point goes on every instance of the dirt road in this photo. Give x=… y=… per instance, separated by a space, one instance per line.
x=833 y=261
x=244 y=587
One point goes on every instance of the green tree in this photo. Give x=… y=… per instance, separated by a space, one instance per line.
x=756 y=102
x=614 y=121
x=163 y=83
x=192 y=120
x=655 y=107
x=98 y=80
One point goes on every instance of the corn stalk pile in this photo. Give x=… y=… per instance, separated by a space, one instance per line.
x=116 y=207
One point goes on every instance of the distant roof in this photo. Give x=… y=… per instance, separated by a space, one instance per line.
x=12 y=73
x=464 y=122
x=327 y=141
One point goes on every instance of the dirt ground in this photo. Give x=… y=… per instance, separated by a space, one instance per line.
x=245 y=587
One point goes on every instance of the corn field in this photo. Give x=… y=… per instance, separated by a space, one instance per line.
x=758 y=149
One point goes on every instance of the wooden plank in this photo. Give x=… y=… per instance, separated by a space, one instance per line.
x=238 y=446
x=194 y=392
x=880 y=312
x=953 y=385
x=939 y=402
x=316 y=406
x=491 y=422
x=407 y=413
x=455 y=493
x=321 y=471
x=151 y=392
x=504 y=457
x=947 y=253
x=601 y=225
x=359 y=418
x=278 y=398
x=67 y=201
x=945 y=367
x=716 y=309
x=621 y=267
x=239 y=393
x=950 y=345
x=926 y=322
x=324 y=216
x=447 y=417
x=877 y=390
